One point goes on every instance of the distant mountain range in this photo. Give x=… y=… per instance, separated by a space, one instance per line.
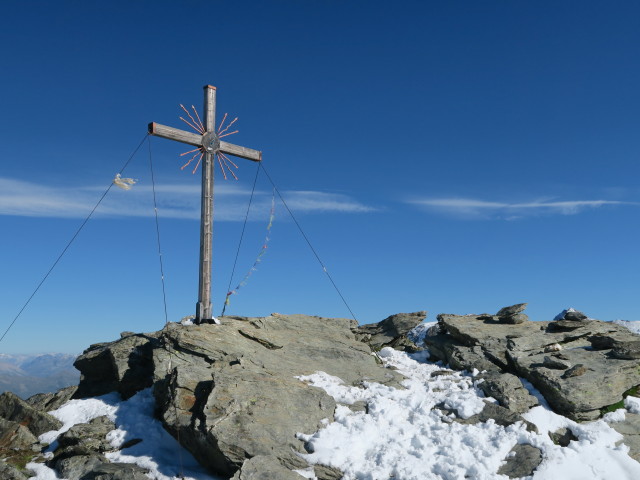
x=26 y=375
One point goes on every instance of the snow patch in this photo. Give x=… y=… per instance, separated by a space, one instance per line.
x=617 y=416
x=82 y=411
x=158 y=451
x=403 y=436
x=632 y=404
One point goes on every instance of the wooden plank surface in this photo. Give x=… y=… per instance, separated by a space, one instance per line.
x=176 y=134
x=209 y=108
x=242 y=152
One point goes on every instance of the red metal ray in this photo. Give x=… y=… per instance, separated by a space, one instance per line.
x=194 y=124
x=198 y=117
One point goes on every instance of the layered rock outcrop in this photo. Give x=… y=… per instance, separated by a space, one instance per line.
x=229 y=392
x=580 y=365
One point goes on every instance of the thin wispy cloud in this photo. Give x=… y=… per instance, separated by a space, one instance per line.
x=179 y=201
x=312 y=201
x=471 y=208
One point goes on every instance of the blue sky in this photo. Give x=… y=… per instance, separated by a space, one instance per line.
x=442 y=156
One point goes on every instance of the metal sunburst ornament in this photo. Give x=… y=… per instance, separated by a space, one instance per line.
x=210 y=142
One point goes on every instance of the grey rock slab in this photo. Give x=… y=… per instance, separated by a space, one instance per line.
x=562 y=437
x=96 y=467
x=442 y=373
x=452 y=352
x=359 y=406
x=492 y=336
x=76 y=467
x=508 y=390
x=470 y=358
x=514 y=319
x=521 y=461
x=324 y=472
x=540 y=340
x=9 y=472
x=390 y=332
x=603 y=341
x=45 y=402
x=604 y=355
x=511 y=310
x=630 y=430
x=580 y=397
x=264 y=467
x=564 y=325
x=500 y=415
x=124 y=366
x=90 y=436
x=468 y=329
x=117 y=471
x=571 y=314
x=230 y=395
x=15 y=409
x=440 y=346
x=575 y=315
x=556 y=363
x=626 y=350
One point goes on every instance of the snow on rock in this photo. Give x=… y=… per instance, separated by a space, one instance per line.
x=632 y=325
x=426 y=430
x=632 y=404
x=158 y=451
x=420 y=331
x=82 y=411
x=403 y=436
x=617 y=416
x=42 y=472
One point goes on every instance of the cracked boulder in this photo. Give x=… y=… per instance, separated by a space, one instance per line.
x=124 y=366
x=230 y=391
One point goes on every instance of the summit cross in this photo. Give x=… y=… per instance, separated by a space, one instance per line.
x=209 y=144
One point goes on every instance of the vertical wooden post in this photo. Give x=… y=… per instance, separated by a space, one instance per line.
x=210 y=145
x=204 y=307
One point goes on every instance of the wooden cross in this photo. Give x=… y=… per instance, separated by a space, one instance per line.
x=210 y=144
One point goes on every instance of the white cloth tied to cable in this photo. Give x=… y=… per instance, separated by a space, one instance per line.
x=124 y=183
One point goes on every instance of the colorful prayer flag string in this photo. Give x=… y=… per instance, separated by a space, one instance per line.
x=263 y=250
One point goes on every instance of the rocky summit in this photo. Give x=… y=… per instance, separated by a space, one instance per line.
x=231 y=393
x=228 y=392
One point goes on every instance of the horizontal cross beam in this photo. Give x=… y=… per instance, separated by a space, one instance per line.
x=194 y=139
